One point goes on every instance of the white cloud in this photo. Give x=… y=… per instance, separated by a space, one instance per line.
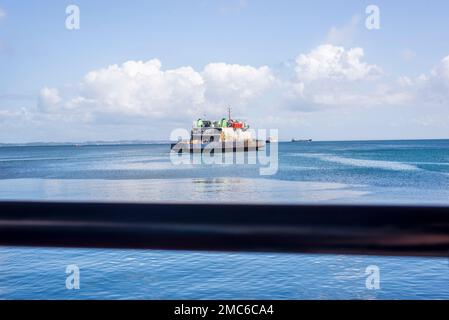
x=442 y=71
x=326 y=77
x=49 y=99
x=231 y=83
x=436 y=84
x=335 y=63
x=140 y=89
x=334 y=76
x=344 y=35
x=140 y=96
x=431 y=88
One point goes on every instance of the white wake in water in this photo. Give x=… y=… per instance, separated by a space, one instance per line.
x=377 y=164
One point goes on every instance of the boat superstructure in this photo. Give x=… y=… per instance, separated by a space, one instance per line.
x=225 y=135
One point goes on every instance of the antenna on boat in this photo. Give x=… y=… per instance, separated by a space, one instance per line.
x=229 y=113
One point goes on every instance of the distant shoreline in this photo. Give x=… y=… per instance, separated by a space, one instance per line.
x=164 y=142
x=81 y=144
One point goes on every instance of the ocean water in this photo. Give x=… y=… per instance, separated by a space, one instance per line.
x=406 y=172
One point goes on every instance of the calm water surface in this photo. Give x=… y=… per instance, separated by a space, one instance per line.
x=412 y=172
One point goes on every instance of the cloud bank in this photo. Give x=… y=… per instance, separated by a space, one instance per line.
x=144 y=89
x=327 y=76
x=330 y=80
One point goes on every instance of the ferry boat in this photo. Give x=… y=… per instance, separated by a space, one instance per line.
x=225 y=135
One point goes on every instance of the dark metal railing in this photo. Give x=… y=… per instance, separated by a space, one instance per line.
x=379 y=230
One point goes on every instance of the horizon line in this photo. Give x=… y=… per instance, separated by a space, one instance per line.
x=149 y=142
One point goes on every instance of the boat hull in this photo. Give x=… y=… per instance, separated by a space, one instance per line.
x=188 y=147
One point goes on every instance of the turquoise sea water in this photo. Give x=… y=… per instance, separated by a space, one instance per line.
x=411 y=172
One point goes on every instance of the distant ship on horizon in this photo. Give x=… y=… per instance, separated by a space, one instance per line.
x=302 y=140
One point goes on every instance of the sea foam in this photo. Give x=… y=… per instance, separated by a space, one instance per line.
x=365 y=163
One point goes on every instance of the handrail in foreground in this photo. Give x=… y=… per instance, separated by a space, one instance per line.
x=336 y=229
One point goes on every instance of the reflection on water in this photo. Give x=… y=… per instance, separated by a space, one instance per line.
x=232 y=190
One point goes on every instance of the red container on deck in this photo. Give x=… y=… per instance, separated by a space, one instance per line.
x=237 y=125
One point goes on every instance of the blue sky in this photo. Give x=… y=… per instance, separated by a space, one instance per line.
x=37 y=52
